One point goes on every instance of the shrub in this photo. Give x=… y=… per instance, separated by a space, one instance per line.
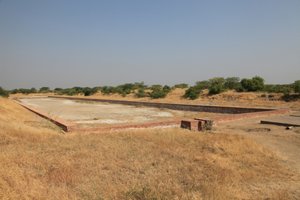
x=33 y=90
x=202 y=85
x=57 y=90
x=3 y=92
x=216 y=85
x=44 y=90
x=285 y=89
x=159 y=92
x=24 y=91
x=192 y=93
x=181 y=85
x=297 y=86
x=254 y=84
x=141 y=93
x=232 y=83
x=107 y=90
x=89 y=91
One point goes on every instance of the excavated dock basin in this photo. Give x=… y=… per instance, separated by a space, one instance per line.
x=91 y=114
x=83 y=114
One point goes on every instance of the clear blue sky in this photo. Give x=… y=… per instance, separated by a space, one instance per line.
x=65 y=43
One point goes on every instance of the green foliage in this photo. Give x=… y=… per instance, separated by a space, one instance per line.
x=216 y=85
x=297 y=86
x=89 y=91
x=86 y=91
x=159 y=92
x=57 y=90
x=123 y=89
x=3 y=92
x=23 y=91
x=106 y=90
x=44 y=90
x=219 y=84
x=202 y=85
x=192 y=93
x=232 y=83
x=33 y=90
x=285 y=89
x=141 y=93
x=254 y=84
x=181 y=85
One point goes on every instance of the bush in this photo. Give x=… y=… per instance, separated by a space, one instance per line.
x=57 y=90
x=216 y=85
x=192 y=93
x=44 y=90
x=89 y=91
x=123 y=89
x=141 y=93
x=181 y=85
x=23 y=91
x=107 y=90
x=33 y=90
x=285 y=89
x=202 y=85
x=3 y=92
x=297 y=86
x=232 y=83
x=253 y=85
x=159 y=92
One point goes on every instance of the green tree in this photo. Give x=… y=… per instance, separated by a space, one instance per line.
x=192 y=93
x=89 y=91
x=3 y=92
x=159 y=92
x=181 y=85
x=216 y=85
x=141 y=93
x=254 y=84
x=44 y=90
x=202 y=85
x=297 y=86
x=33 y=90
x=232 y=83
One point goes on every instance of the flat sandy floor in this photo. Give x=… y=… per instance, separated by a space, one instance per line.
x=105 y=113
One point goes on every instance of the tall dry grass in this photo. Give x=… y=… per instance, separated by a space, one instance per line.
x=39 y=162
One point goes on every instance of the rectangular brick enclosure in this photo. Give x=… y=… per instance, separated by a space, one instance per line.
x=173 y=106
x=86 y=114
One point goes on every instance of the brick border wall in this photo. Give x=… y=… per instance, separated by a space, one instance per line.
x=172 y=106
x=68 y=126
x=223 y=119
x=166 y=123
x=65 y=125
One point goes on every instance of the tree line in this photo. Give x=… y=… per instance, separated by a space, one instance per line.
x=214 y=86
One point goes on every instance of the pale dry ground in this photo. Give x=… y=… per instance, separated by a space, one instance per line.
x=87 y=114
x=39 y=162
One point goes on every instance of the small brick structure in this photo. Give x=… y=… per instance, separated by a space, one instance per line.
x=205 y=124
x=197 y=124
x=192 y=125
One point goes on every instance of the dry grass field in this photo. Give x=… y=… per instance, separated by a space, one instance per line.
x=38 y=161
